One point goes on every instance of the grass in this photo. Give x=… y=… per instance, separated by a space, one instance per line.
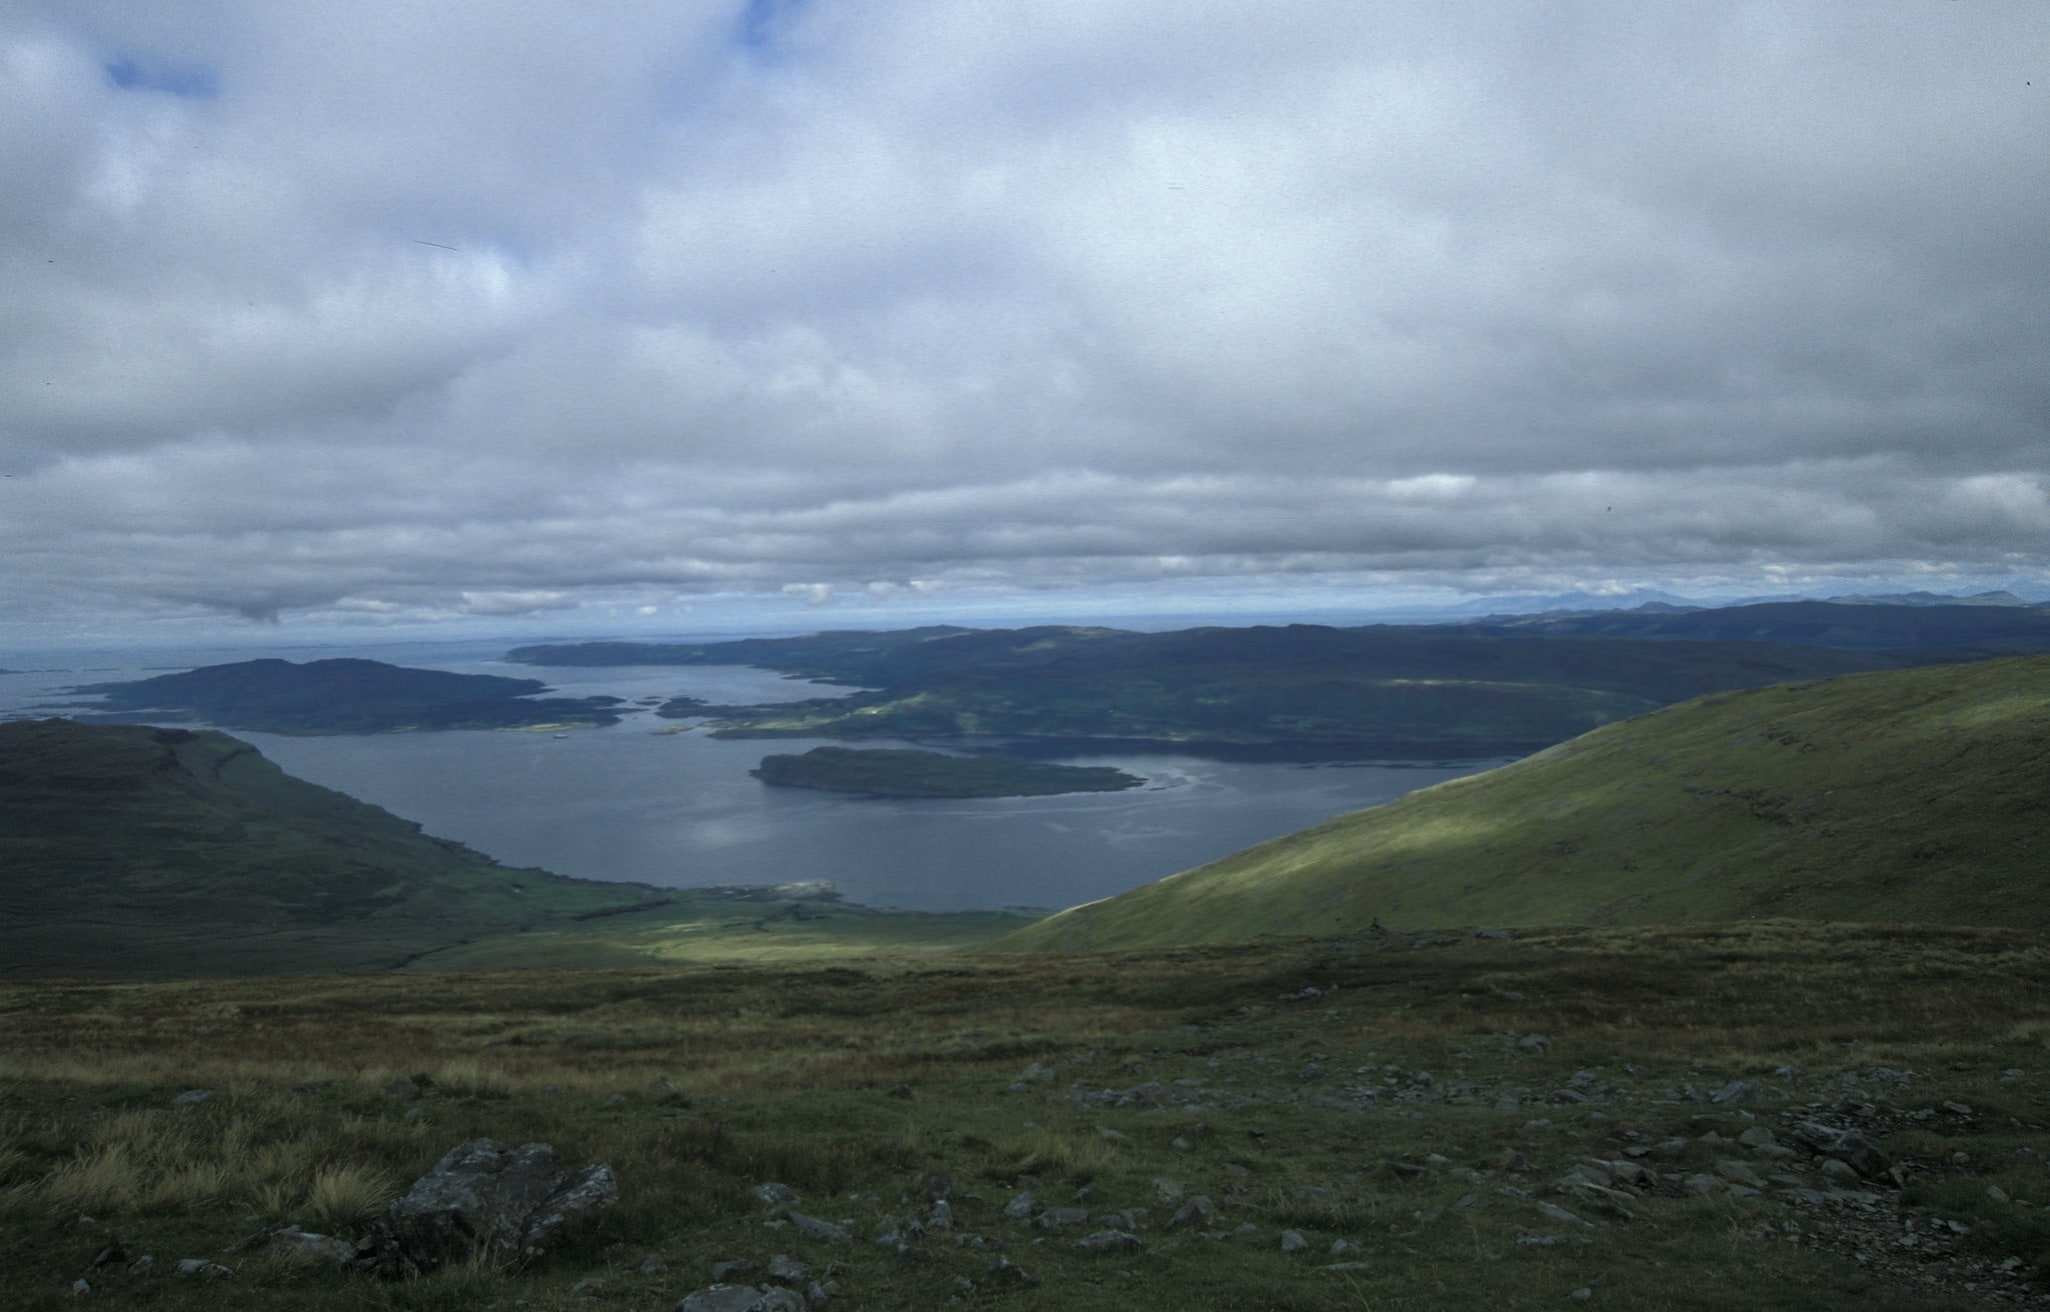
x=1899 y=796
x=1350 y=1091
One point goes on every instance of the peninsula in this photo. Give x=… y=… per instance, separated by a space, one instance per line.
x=339 y=696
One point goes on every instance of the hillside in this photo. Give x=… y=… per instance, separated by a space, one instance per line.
x=134 y=852
x=1899 y=796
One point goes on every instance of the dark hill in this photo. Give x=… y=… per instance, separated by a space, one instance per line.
x=342 y=696
x=130 y=851
x=1295 y=691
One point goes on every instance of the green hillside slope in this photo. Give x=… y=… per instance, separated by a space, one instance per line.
x=1899 y=796
x=131 y=851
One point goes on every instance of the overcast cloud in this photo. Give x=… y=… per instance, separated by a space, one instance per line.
x=396 y=311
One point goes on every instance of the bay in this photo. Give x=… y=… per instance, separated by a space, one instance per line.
x=640 y=801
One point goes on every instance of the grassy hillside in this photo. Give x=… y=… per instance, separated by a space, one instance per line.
x=1901 y=796
x=1531 y=1123
x=134 y=851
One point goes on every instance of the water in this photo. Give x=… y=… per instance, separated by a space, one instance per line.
x=638 y=801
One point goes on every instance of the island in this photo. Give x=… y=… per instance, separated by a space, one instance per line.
x=907 y=772
x=340 y=696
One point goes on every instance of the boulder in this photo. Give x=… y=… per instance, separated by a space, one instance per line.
x=484 y=1200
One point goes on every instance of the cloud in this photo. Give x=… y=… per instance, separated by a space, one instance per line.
x=403 y=312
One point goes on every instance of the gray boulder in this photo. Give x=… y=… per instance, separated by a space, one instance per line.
x=504 y=1205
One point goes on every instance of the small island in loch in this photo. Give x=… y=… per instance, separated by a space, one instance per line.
x=907 y=772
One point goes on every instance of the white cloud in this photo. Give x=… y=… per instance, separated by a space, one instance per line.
x=907 y=300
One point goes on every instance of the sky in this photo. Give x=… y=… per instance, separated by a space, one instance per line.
x=581 y=316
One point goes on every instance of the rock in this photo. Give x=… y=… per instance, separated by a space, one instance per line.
x=1053 y=1218
x=741 y=1298
x=1198 y=1210
x=1037 y=1074
x=142 y=1266
x=503 y=1204
x=1110 y=1241
x=301 y=1243
x=776 y=1195
x=813 y=1228
x=935 y=1186
x=1020 y=1207
x=1536 y=1045
x=1560 y=1214
x=653 y=1265
x=940 y=1216
x=1108 y=1135
x=191 y=1096
x=589 y=1286
x=1004 y=1273
x=1739 y=1173
x=787 y=1270
x=1168 y=1191
x=738 y=1266
x=81 y=1287
x=201 y=1267
x=1292 y=1241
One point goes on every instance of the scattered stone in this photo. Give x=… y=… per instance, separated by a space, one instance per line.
x=1108 y=1135
x=1037 y=1074
x=776 y=1195
x=653 y=1265
x=1198 y=1210
x=1560 y=1214
x=741 y=1298
x=787 y=1270
x=1003 y=1272
x=935 y=1186
x=1739 y=1173
x=201 y=1267
x=738 y=1266
x=1344 y=1266
x=142 y=1265
x=192 y=1096
x=1053 y=1218
x=589 y=1286
x=1292 y=1241
x=1110 y=1241
x=81 y=1287
x=506 y=1204
x=813 y=1228
x=1169 y=1192
x=301 y=1243
x=1020 y=1207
